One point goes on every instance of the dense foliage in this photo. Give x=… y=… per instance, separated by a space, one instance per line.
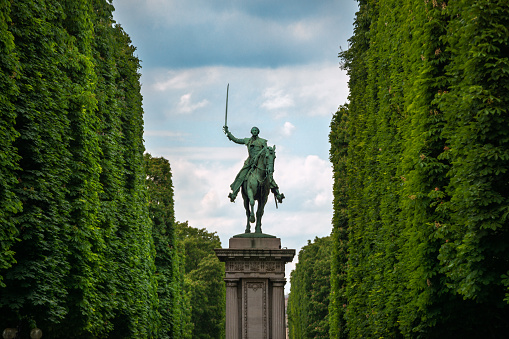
x=308 y=301
x=173 y=304
x=204 y=283
x=77 y=255
x=421 y=181
x=190 y=289
x=339 y=236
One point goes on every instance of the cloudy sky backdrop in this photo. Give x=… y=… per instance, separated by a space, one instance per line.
x=280 y=59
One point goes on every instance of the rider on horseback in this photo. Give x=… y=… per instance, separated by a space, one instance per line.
x=256 y=147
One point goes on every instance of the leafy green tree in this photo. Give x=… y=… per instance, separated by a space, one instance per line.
x=204 y=281
x=308 y=302
x=198 y=244
x=207 y=291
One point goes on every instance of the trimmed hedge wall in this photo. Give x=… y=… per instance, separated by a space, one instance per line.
x=77 y=253
x=421 y=159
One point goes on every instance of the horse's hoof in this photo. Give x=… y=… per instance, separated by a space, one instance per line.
x=252 y=218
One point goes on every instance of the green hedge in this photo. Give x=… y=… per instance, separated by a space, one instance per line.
x=169 y=260
x=420 y=158
x=10 y=203
x=78 y=256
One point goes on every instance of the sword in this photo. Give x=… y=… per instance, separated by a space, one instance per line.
x=226 y=113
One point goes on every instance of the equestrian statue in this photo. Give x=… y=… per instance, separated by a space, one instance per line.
x=255 y=178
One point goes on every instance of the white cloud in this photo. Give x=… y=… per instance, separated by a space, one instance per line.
x=163 y=80
x=210 y=202
x=186 y=106
x=287 y=129
x=310 y=178
x=276 y=99
x=203 y=155
x=309 y=90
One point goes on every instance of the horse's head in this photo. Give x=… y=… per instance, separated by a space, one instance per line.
x=271 y=155
x=272 y=151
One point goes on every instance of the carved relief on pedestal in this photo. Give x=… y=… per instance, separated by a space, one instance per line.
x=255 y=313
x=230 y=283
x=255 y=285
x=255 y=266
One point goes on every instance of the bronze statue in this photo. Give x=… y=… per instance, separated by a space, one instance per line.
x=256 y=177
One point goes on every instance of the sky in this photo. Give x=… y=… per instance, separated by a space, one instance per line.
x=280 y=59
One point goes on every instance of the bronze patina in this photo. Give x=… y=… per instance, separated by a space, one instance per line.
x=255 y=178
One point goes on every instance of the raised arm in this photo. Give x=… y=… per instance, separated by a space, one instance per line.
x=231 y=137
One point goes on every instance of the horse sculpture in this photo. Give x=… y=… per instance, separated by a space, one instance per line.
x=256 y=186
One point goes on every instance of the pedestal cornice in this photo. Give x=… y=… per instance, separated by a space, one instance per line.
x=228 y=254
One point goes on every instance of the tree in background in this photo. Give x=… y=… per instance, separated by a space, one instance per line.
x=308 y=301
x=175 y=313
x=426 y=149
x=204 y=281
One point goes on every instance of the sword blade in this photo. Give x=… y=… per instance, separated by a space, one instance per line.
x=226 y=113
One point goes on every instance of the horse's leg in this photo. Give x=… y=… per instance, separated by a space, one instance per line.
x=246 y=206
x=259 y=214
x=260 y=211
x=250 y=195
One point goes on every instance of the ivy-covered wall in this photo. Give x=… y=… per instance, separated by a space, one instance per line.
x=77 y=253
x=421 y=158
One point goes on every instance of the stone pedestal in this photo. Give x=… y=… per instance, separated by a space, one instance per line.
x=255 y=280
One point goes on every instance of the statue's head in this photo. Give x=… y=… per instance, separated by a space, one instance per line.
x=255 y=131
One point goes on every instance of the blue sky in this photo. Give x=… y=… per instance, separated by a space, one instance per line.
x=280 y=59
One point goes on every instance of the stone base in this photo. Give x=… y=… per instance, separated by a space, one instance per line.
x=255 y=280
x=253 y=235
x=261 y=243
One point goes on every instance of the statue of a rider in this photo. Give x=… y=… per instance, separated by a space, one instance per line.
x=256 y=147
